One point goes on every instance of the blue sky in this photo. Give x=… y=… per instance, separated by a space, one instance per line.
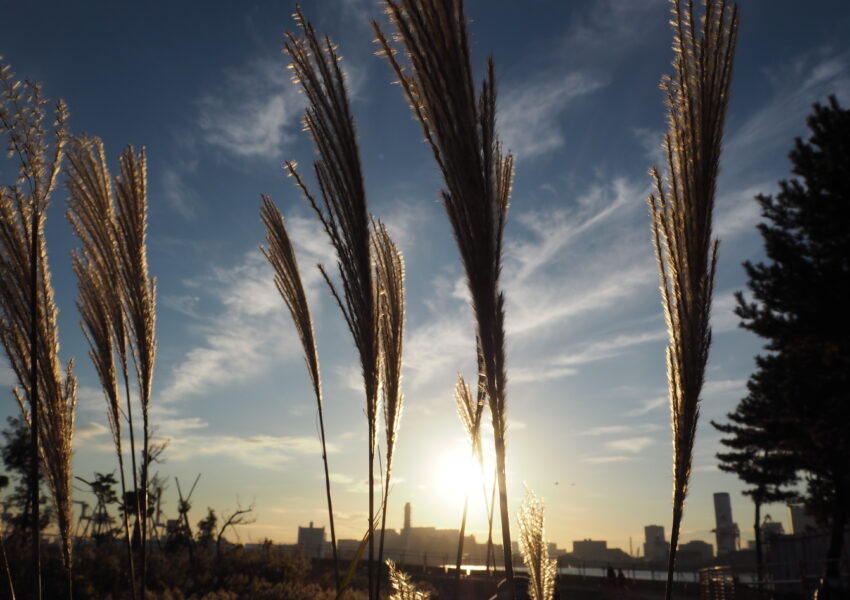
x=204 y=87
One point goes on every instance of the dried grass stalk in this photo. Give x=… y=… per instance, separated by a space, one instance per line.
x=542 y=570
x=91 y=213
x=281 y=255
x=343 y=213
x=461 y=130
x=403 y=588
x=469 y=410
x=389 y=284
x=28 y=328
x=681 y=210
x=138 y=292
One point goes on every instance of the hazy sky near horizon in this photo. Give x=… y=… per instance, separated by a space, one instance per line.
x=204 y=87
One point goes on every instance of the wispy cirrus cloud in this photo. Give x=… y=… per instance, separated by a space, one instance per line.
x=648 y=405
x=244 y=338
x=601 y=460
x=182 y=198
x=530 y=111
x=253 y=112
x=259 y=451
x=632 y=445
x=620 y=429
x=91 y=430
x=797 y=84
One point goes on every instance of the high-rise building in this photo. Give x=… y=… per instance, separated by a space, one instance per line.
x=801 y=521
x=407 y=515
x=312 y=541
x=590 y=549
x=770 y=527
x=655 y=548
x=726 y=530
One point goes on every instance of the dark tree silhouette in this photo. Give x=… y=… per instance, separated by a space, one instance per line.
x=799 y=305
x=758 y=459
x=17 y=506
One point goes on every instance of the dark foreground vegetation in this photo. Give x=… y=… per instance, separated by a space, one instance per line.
x=265 y=572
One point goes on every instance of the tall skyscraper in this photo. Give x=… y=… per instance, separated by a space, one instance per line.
x=655 y=547
x=726 y=530
x=407 y=515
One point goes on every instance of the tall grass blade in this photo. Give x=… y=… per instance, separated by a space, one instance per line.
x=138 y=292
x=281 y=255
x=91 y=213
x=27 y=311
x=461 y=130
x=681 y=210
x=343 y=213
x=469 y=409
x=389 y=283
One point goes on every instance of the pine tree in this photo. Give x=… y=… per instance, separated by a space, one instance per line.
x=757 y=458
x=799 y=305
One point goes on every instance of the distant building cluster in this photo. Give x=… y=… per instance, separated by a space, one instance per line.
x=806 y=543
x=420 y=545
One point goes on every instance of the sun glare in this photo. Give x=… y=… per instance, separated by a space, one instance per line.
x=455 y=473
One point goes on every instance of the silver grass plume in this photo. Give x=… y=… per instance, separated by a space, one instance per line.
x=542 y=570
x=469 y=409
x=389 y=284
x=403 y=588
x=461 y=130
x=343 y=213
x=28 y=314
x=139 y=295
x=91 y=214
x=281 y=255
x=681 y=210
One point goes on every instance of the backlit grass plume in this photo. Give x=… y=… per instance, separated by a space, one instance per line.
x=542 y=570
x=281 y=255
x=403 y=588
x=91 y=213
x=28 y=327
x=681 y=210
x=343 y=213
x=469 y=409
x=389 y=284
x=139 y=295
x=460 y=127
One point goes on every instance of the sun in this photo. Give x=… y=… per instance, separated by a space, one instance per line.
x=455 y=473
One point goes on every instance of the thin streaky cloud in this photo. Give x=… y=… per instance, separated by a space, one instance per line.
x=243 y=340
x=633 y=445
x=619 y=429
x=253 y=112
x=530 y=112
x=258 y=451
x=555 y=229
x=601 y=460
x=181 y=197
x=89 y=431
x=648 y=406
